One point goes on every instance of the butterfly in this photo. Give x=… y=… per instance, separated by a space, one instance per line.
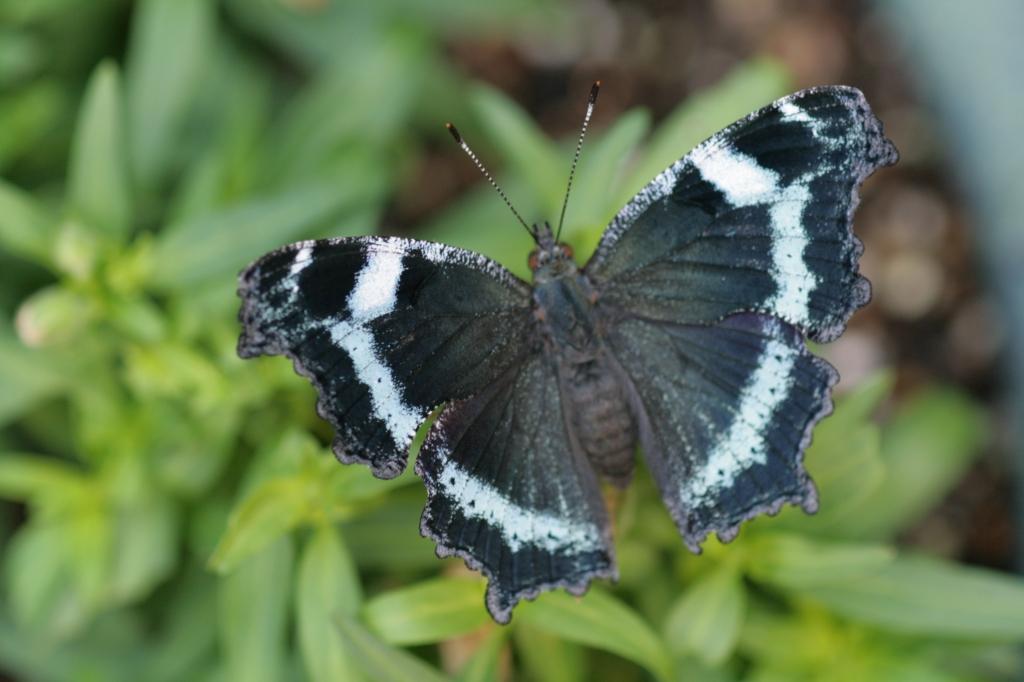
x=684 y=334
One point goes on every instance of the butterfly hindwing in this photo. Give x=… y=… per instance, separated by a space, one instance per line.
x=386 y=329
x=724 y=413
x=757 y=218
x=508 y=492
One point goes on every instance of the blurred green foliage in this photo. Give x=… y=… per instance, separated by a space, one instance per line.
x=177 y=515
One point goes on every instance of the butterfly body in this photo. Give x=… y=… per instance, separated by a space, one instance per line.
x=600 y=418
x=570 y=322
x=685 y=333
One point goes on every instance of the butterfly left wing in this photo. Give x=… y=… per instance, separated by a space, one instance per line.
x=511 y=493
x=386 y=329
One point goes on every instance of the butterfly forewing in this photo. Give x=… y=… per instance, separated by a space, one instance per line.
x=756 y=218
x=508 y=492
x=386 y=329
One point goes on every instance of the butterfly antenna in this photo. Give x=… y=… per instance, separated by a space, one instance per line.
x=591 y=100
x=490 y=178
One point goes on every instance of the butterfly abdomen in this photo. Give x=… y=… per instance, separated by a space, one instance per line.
x=601 y=420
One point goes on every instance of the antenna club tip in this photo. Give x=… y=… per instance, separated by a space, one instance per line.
x=454 y=131
x=593 y=91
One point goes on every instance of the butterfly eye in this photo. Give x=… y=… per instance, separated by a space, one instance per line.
x=566 y=250
x=532 y=262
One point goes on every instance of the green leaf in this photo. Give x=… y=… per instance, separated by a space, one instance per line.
x=484 y=664
x=328 y=585
x=145 y=547
x=43 y=595
x=219 y=244
x=57 y=572
x=928 y=596
x=315 y=131
x=353 y=487
x=26 y=227
x=794 y=561
x=746 y=88
x=187 y=635
x=31 y=114
x=380 y=661
x=857 y=406
x=592 y=204
x=271 y=510
x=98 y=190
x=529 y=152
x=506 y=242
x=170 y=44
x=398 y=520
x=707 y=619
x=846 y=476
x=548 y=658
x=90 y=536
x=37 y=479
x=926 y=447
x=601 y=621
x=428 y=612
x=252 y=606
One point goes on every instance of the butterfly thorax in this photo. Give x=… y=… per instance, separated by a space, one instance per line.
x=597 y=413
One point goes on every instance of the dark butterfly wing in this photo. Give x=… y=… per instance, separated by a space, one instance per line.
x=508 y=492
x=724 y=414
x=386 y=329
x=757 y=218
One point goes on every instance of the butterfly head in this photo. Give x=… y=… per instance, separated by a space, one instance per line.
x=550 y=259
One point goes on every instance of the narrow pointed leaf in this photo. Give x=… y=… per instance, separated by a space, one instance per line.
x=548 y=658
x=429 y=612
x=485 y=663
x=592 y=204
x=927 y=596
x=926 y=447
x=219 y=244
x=252 y=607
x=145 y=548
x=379 y=661
x=272 y=509
x=170 y=44
x=98 y=189
x=795 y=561
x=27 y=229
x=707 y=619
x=601 y=621
x=532 y=156
x=328 y=585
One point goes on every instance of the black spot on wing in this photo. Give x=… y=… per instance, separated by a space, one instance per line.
x=786 y=146
x=324 y=284
x=691 y=189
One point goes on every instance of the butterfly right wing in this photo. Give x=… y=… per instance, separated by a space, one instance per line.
x=511 y=493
